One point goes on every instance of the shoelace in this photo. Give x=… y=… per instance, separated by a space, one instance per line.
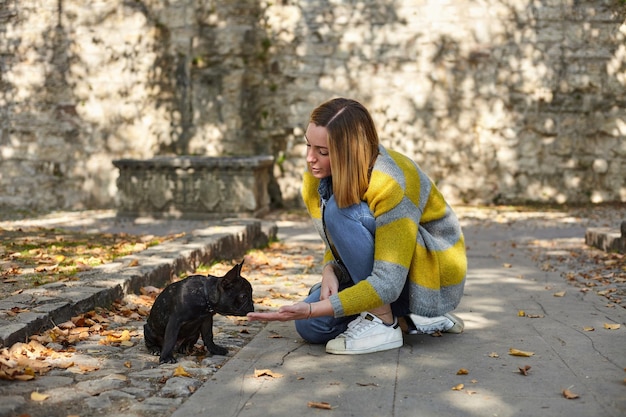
x=358 y=326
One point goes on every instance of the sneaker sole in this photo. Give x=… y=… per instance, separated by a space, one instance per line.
x=379 y=348
x=459 y=325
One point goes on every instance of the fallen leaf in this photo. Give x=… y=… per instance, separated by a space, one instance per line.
x=611 y=326
x=180 y=371
x=521 y=313
x=458 y=387
x=134 y=262
x=321 y=405
x=266 y=372
x=37 y=396
x=149 y=290
x=462 y=371
x=25 y=377
x=569 y=394
x=517 y=352
x=524 y=370
x=367 y=384
x=534 y=316
x=507 y=265
x=588 y=329
x=494 y=355
x=559 y=294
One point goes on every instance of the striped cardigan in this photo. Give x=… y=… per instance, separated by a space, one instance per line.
x=417 y=235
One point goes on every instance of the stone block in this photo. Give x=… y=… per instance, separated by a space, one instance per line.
x=607 y=239
x=194 y=186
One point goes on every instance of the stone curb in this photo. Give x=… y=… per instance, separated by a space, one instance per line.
x=607 y=239
x=45 y=306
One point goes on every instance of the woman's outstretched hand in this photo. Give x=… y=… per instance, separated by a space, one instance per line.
x=298 y=311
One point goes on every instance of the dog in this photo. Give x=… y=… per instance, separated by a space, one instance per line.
x=184 y=310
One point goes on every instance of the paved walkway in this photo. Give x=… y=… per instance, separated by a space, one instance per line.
x=418 y=379
x=511 y=302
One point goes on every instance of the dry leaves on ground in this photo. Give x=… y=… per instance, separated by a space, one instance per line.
x=25 y=361
x=35 y=256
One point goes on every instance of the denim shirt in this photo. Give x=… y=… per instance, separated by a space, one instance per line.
x=325 y=191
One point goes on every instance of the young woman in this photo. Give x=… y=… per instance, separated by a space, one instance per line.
x=394 y=247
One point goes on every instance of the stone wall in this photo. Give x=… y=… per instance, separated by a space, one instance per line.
x=499 y=100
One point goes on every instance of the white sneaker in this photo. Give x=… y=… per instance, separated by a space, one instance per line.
x=366 y=334
x=448 y=323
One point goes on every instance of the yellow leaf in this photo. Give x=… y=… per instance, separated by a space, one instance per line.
x=494 y=355
x=559 y=294
x=37 y=396
x=521 y=313
x=588 y=329
x=458 y=387
x=507 y=265
x=517 y=352
x=462 y=371
x=180 y=371
x=611 y=326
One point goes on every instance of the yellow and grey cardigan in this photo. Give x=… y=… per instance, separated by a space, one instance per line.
x=417 y=235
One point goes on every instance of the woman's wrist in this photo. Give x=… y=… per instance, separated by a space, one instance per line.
x=340 y=271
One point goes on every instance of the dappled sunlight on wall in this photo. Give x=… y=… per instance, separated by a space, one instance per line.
x=498 y=101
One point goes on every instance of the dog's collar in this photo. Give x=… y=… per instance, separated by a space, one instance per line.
x=209 y=304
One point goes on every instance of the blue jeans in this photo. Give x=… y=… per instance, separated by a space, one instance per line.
x=351 y=230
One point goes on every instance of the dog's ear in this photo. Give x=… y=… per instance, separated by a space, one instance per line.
x=231 y=276
x=235 y=271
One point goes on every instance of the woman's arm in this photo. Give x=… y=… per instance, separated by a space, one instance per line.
x=298 y=311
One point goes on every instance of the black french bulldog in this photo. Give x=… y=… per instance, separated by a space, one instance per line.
x=184 y=310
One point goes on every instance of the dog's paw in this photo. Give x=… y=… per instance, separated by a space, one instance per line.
x=217 y=350
x=170 y=359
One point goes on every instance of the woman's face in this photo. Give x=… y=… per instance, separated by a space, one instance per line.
x=317 y=157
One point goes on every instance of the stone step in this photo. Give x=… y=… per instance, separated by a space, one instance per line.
x=607 y=239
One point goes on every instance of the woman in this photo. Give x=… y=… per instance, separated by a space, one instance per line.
x=394 y=247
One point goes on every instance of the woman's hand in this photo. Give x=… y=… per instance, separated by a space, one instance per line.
x=330 y=283
x=298 y=311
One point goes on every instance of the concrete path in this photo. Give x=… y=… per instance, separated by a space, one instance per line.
x=419 y=378
x=510 y=302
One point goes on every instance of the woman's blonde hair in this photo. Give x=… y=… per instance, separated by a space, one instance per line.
x=352 y=146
